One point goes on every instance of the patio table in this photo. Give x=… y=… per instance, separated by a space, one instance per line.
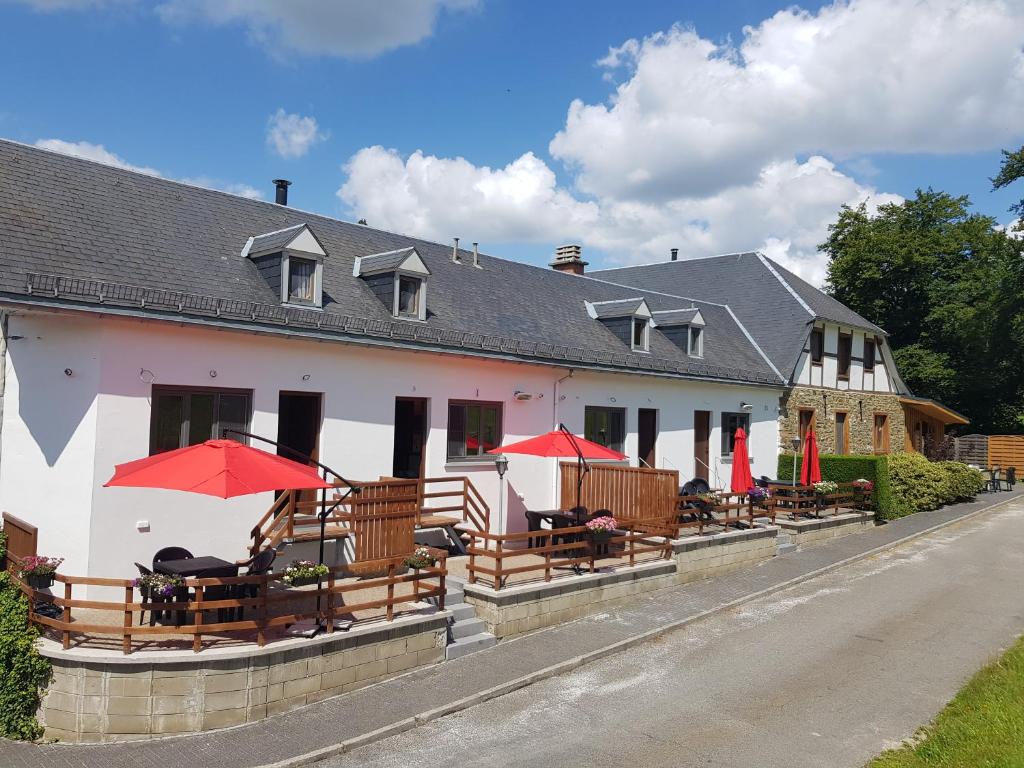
x=205 y=567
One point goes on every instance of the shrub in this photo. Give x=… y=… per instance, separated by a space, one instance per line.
x=846 y=469
x=23 y=671
x=919 y=485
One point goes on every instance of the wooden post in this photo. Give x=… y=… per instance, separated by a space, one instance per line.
x=126 y=639
x=197 y=639
x=66 y=618
x=291 y=514
x=472 y=558
x=261 y=611
x=547 y=566
x=391 y=590
x=330 y=602
x=444 y=589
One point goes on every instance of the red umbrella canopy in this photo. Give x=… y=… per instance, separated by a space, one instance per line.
x=741 y=480
x=810 y=470
x=223 y=468
x=558 y=444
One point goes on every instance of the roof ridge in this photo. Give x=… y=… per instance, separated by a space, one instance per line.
x=677 y=261
x=770 y=266
x=656 y=293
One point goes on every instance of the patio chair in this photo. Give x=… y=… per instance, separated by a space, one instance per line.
x=533 y=523
x=144 y=593
x=171 y=553
x=258 y=566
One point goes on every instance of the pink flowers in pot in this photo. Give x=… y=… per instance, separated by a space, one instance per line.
x=603 y=524
x=35 y=565
x=865 y=486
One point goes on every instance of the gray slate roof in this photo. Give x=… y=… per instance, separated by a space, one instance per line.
x=675 y=316
x=382 y=262
x=77 y=233
x=623 y=308
x=271 y=241
x=772 y=303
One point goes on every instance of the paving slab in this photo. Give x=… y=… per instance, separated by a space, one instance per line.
x=334 y=725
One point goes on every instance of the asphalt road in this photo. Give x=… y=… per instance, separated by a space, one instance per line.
x=826 y=674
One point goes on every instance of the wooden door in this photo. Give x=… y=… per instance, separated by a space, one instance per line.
x=299 y=415
x=702 y=444
x=647 y=429
x=408 y=459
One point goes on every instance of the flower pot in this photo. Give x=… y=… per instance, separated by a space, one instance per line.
x=600 y=537
x=303 y=581
x=39 y=580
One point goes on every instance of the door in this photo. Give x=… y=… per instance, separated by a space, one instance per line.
x=647 y=429
x=702 y=444
x=881 y=433
x=298 y=427
x=410 y=437
x=842 y=433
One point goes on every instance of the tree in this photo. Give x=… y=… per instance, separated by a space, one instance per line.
x=1011 y=169
x=948 y=286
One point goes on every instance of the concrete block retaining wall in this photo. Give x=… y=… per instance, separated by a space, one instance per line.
x=810 y=531
x=523 y=608
x=93 y=699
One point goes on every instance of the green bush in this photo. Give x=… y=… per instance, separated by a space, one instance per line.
x=24 y=673
x=845 y=469
x=919 y=485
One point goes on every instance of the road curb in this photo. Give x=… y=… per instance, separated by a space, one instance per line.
x=569 y=665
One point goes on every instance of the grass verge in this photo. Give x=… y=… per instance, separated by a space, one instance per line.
x=982 y=727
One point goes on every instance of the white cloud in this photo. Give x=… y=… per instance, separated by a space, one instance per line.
x=96 y=152
x=292 y=135
x=694 y=117
x=100 y=154
x=354 y=28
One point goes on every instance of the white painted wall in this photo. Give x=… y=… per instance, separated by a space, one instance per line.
x=827 y=374
x=63 y=435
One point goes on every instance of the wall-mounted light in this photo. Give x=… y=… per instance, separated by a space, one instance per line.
x=746 y=407
x=305 y=377
x=146 y=376
x=213 y=374
x=612 y=400
x=68 y=372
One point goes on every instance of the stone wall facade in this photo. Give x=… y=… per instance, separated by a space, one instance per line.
x=122 y=699
x=524 y=608
x=860 y=407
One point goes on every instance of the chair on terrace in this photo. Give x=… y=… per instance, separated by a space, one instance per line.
x=171 y=553
x=258 y=566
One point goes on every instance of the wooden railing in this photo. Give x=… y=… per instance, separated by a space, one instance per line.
x=732 y=509
x=802 y=500
x=454 y=497
x=271 y=608
x=630 y=493
x=575 y=549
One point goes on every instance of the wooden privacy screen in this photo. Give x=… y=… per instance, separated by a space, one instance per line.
x=383 y=518
x=972 y=449
x=628 y=492
x=22 y=537
x=1006 y=451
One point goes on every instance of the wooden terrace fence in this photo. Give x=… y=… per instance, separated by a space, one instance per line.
x=22 y=537
x=989 y=451
x=264 y=605
x=629 y=493
x=491 y=554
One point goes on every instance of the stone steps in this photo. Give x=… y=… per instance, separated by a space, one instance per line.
x=466 y=633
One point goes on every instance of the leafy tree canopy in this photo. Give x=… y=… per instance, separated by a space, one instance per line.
x=1010 y=171
x=948 y=286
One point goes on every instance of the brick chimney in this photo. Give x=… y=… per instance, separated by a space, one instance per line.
x=569 y=258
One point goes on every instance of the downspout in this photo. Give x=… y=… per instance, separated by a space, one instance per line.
x=3 y=373
x=554 y=425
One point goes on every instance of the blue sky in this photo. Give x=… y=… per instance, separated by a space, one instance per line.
x=191 y=93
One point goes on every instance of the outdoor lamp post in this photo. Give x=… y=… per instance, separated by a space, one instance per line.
x=795 y=442
x=501 y=465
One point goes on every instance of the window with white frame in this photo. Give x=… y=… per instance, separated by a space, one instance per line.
x=301 y=281
x=696 y=341
x=409 y=297
x=640 y=335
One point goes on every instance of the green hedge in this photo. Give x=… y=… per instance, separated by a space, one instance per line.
x=919 y=485
x=24 y=673
x=847 y=468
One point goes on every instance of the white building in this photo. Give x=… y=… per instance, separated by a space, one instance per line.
x=142 y=315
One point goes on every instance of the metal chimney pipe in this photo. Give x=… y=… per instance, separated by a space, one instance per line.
x=476 y=255
x=455 y=251
x=281 y=195
x=675 y=254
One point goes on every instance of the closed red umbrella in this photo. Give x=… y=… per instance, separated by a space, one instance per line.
x=223 y=468
x=810 y=470
x=741 y=480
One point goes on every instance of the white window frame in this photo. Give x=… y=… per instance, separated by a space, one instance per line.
x=421 y=296
x=699 y=352
x=318 y=280
x=645 y=339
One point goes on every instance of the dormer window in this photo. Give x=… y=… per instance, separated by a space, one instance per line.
x=398 y=279
x=696 y=342
x=301 y=281
x=407 y=298
x=291 y=261
x=629 y=319
x=640 y=334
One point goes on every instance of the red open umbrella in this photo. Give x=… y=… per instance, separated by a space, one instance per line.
x=741 y=480
x=223 y=468
x=561 y=443
x=810 y=470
